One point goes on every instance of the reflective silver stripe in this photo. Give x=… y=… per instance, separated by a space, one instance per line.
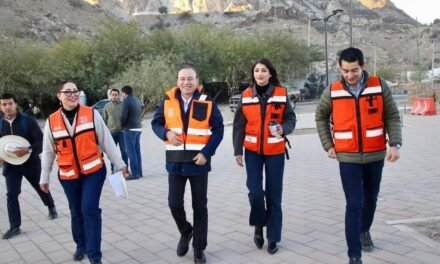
x=374 y=132
x=84 y=127
x=249 y=100
x=60 y=134
x=203 y=97
x=372 y=90
x=178 y=130
x=91 y=164
x=277 y=99
x=340 y=93
x=67 y=173
x=272 y=140
x=199 y=132
x=343 y=135
x=194 y=146
x=251 y=139
x=172 y=147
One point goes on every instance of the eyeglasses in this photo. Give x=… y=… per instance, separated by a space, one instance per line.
x=70 y=93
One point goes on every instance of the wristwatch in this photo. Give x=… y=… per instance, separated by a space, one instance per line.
x=397 y=146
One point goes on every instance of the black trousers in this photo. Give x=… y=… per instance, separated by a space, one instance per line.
x=14 y=177
x=176 y=192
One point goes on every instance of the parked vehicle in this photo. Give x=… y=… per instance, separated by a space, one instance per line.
x=100 y=105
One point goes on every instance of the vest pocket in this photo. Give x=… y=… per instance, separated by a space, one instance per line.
x=200 y=111
x=345 y=140
x=374 y=139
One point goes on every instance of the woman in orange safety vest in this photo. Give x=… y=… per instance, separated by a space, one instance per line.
x=263 y=118
x=76 y=135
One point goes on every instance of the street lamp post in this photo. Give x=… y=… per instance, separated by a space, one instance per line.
x=325 y=19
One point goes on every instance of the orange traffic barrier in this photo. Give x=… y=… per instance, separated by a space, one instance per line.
x=430 y=108
x=416 y=106
x=423 y=106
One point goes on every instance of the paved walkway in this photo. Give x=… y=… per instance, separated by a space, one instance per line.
x=140 y=229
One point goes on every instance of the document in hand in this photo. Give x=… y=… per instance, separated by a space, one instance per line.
x=118 y=184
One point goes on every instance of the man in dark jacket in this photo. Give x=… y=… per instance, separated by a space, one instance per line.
x=14 y=123
x=131 y=123
x=192 y=127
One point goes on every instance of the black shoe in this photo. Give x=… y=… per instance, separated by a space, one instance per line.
x=131 y=177
x=272 y=248
x=95 y=262
x=199 y=256
x=53 y=213
x=355 y=261
x=183 y=246
x=13 y=231
x=258 y=237
x=367 y=243
x=79 y=255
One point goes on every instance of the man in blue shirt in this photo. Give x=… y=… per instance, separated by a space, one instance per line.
x=192 y=127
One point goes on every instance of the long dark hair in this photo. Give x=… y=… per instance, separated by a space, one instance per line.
x=272 y=80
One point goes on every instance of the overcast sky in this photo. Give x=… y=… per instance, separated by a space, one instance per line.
x=424 y=10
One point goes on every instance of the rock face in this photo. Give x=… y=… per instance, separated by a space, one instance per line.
x=377 y=24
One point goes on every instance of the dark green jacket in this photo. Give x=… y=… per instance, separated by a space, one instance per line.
x=391 y=120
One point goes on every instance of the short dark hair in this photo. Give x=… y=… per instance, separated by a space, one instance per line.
x=351 y=55
x=127 y=89
x=272 y=80
x=6 y=96
x=188 y=65
x=114 y=90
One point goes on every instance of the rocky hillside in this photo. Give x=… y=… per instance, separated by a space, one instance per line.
x=378 y=26
x=47 y=20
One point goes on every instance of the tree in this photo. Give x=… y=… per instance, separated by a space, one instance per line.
x=163 y=10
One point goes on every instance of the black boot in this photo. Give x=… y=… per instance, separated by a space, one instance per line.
x=272 y=248
x=258 y=237
x=355 y=261
x=199 y=256
x=183 y=246
x=367 y=243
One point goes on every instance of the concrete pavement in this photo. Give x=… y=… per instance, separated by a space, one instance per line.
x=140 y=229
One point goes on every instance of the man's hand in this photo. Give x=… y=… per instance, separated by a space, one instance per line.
x=393 y=154
x=21 y=151
x=331 y=153
x=44 y=187
x=200 y=159
x=239 y=160
x=174 y=138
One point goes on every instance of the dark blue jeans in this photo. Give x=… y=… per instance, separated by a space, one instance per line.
x=133 y=148
x=265 y=213
x=361 y=183
x=31 y=171
x=118 y=137
x=83 y=196
x=176 y=193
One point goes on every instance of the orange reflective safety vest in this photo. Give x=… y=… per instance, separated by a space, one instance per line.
x=77 y=154
x=358 y=125
x=257 y=133
x=197 y=133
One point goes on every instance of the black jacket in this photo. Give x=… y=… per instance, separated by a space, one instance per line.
x=33 y=134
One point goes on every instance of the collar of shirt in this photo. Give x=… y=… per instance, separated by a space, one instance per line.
x=10 y=120
x=356 y=89
x=186 y=103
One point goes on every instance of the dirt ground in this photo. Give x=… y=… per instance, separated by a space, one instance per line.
x=430 y=229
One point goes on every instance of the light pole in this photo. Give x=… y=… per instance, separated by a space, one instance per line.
x=325 y=19
x=351 y=25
